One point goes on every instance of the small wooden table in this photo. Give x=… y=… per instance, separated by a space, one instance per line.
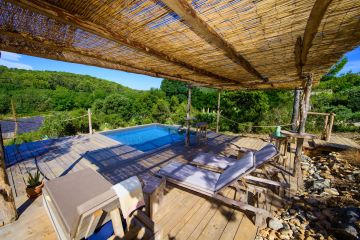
x=279 y=141
x=201 y=131
x=298 y=135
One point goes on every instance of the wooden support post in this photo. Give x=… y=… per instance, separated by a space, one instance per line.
x=188 y=116
x=328 y=134
x=13 y=109
x=304 y=107
x=325 y=131
x=90 y=124
x=218 y=112
x=8 y=212
x=295 y=113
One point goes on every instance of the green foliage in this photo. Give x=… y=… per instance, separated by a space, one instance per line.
x=115 y=106
x=334 y=70
x=40 y=91
x=34 y=180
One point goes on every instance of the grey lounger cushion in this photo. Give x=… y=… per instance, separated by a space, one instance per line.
x=73 y=193
x=205 y=180
x=191 y=176
x=265 y=154
x=212 y=160
x=239 y=168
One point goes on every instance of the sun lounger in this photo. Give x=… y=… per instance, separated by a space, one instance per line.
x=219 y=164
x=81 y=202
x=211 y=184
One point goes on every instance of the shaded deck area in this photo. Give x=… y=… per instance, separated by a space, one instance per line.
x=183 y=215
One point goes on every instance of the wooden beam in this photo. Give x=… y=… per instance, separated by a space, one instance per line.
x=304 y=44
x=16 y=42
x=62 y=15
x=202 y=29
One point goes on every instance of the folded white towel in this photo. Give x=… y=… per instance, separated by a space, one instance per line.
x=130 y=195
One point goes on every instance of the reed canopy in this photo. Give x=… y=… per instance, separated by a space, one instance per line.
x=225 y=44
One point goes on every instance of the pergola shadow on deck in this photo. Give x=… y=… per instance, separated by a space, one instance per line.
x=183 y=215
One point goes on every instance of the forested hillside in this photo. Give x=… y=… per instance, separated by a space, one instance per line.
x=66 y=95
x=41 y=91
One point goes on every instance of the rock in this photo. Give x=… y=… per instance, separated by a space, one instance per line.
x=332 y=191
x=350 y=177
x=272 y=235
x=296 y=222
x=311 y=216
x=347 y=232
x=309 y=238
x=329 y=213
x=286 y=232
x=320 y=184
x=317 y=176
x=264 y=232
x=275 y=223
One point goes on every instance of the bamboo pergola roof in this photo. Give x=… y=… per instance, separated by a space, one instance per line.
x=228 y=44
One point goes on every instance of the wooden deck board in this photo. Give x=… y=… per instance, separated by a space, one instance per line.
x=336 y=142
x=183 y=214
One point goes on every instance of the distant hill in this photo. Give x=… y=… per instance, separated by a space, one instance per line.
x=40 y=91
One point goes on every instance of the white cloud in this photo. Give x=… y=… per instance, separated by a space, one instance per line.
x=14 y=64
x=12 y=60
x=14 y=57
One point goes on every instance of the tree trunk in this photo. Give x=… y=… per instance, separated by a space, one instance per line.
x=8 y=212
x=295 y=113
x=218 y=112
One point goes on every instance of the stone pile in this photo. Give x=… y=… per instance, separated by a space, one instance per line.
x=328 y=208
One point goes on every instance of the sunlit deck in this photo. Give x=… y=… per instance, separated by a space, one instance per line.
x=183 y=215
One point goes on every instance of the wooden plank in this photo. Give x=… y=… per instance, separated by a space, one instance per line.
x=170 y=220
x=304 y=44
x=217 y=224
x=246 y=230
x=182 y=222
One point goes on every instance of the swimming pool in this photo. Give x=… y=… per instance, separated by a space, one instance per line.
x=147 y=138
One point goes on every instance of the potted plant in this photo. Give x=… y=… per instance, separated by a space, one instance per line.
x=34 y=185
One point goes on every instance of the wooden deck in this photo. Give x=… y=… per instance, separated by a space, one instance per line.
x=183 y=215
x=336 y=143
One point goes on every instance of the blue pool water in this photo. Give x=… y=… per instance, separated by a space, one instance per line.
x=147 y=138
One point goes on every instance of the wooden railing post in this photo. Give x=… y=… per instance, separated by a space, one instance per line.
x=295 y=113
x=13 y=109
x=328 y=135
x=325 y=131
x=218 y=112
x=90 y=123
x=188 y=115
x=8 y=212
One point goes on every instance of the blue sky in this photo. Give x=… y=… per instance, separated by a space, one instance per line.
x=136 y=81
